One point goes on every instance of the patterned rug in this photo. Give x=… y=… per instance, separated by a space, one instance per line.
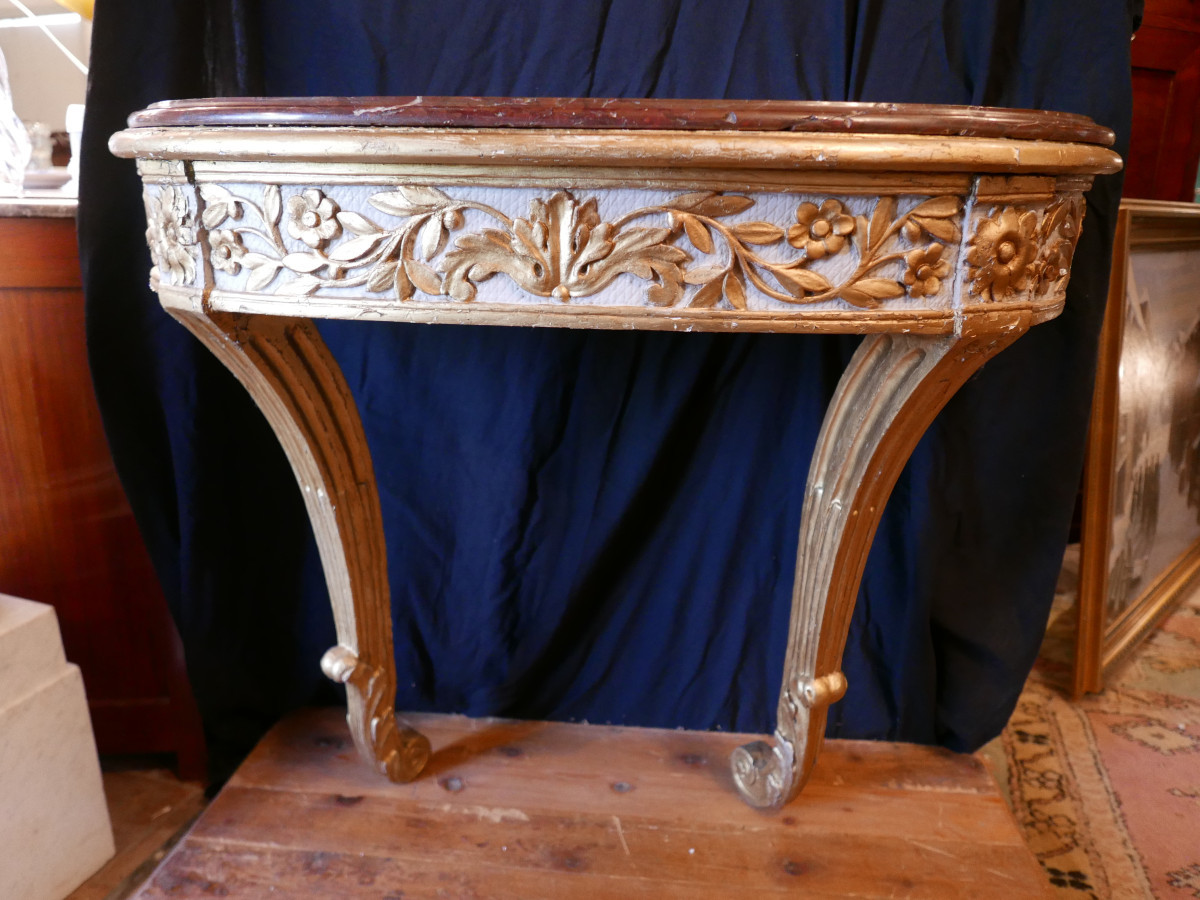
x=1107 y=790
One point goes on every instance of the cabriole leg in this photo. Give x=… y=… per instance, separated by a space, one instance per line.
x=288 y=370
x=891 y=391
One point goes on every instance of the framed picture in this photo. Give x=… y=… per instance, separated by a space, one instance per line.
x=1140 y=542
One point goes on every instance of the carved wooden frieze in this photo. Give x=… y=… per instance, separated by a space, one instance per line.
x=700 y=250
x=696 y=250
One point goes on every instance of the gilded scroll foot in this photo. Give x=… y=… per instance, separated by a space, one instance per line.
x=768 y=775
x=763 y=772
x=397 y=751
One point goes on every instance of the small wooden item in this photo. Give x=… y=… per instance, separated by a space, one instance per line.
x=1140 y=541
x=527 y=810
x=941 y=233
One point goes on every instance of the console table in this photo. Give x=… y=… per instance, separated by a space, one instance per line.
x=940 y=233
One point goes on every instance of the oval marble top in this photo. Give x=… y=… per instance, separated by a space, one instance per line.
x=596 y=113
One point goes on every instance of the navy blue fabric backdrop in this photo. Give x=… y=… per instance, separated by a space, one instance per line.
x=599 y=526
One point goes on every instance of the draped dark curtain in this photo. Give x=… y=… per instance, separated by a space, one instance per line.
x=599 y=526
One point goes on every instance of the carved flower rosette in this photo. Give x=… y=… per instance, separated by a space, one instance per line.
x=1017 y=251
x=623 y=247
x=170 y=234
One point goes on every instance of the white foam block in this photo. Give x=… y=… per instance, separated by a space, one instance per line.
x=54 y=825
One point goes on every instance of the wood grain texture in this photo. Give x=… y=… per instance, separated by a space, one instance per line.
x=67 y=534
x=38 y=253
x=532 y=809
x=285 y=366
x=147 y=808
x=888 y=396
x=1164 y=143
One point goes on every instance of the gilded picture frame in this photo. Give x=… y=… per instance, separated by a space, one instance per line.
x=1140 y=538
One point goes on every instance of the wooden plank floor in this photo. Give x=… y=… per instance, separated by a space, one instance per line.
x=527 y=810
x=147 y=807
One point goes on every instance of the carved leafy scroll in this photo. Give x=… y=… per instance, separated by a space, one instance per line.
x=564 y=249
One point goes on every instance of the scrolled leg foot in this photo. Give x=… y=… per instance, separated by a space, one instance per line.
x=770 y=775
x=298 y=385
x=399 y=752
x=763 y=773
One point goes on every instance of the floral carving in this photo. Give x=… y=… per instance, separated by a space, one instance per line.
x=226 y=250
x=564 y=248
x=1014 y=250
x=1056 y=265
x=926 y=269
x=1058 y=233
x=820 y=230
x=171 y=234
x=1000 y=252
x=312 y=218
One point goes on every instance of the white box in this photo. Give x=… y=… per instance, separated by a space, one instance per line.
x=54 y=825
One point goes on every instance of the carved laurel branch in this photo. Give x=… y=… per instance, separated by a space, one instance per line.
x=564 y=249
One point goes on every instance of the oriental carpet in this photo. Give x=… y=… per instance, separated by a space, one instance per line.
x=1107 y=790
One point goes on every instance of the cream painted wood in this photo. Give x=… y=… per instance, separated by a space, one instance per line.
x=943 y=250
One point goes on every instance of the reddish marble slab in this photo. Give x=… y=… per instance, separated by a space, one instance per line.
x=589 y=113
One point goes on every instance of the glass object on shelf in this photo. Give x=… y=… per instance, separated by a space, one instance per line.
x=41 y=148
x=14 y=141
x=74 y=135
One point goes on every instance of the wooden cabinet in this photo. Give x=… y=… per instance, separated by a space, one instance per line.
x=1164 y=144
x=67 y=535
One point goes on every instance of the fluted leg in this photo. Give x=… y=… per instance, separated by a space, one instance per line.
x=888 y=396
x=288 y=370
